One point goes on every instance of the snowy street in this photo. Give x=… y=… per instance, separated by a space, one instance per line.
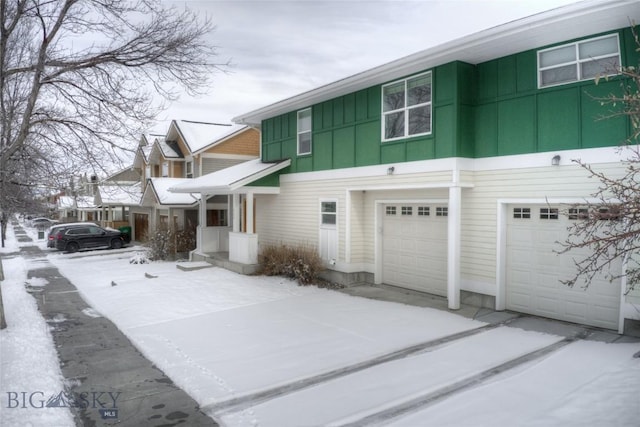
x=263 y=351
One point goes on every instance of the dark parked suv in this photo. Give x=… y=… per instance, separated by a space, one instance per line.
x=74 y=238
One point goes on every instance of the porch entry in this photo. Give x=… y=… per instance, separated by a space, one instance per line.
x=140 y=226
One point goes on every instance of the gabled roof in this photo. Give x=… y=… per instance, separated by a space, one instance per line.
x=159 y=188
x=141 y=158
x=118 y=195
x=557 y=25
x=227 y=180
x=169 y=149
x=199 y=136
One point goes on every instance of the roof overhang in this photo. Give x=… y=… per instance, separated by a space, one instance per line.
x=557 y=25
x=233 y=179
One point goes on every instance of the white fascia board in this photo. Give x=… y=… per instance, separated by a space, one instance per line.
x=265 y=172
x=557 y=25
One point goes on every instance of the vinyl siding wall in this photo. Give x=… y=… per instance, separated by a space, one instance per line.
x=212 y=165
x=479 y=207
x=293 y=216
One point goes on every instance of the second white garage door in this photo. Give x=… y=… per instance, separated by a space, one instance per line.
x=534 y=271
x=414 y=244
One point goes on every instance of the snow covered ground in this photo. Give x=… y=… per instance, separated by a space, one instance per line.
x=221 y=336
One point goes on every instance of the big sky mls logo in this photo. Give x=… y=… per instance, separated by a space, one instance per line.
x=104 y=402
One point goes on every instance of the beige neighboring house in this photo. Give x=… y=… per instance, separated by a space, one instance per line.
x=188 y=150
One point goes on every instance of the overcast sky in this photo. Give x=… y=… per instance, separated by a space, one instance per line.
x=282 y=48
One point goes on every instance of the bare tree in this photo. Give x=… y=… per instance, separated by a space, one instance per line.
x=608 y=224
x=78 y=80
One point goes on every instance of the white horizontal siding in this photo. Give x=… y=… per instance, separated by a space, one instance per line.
x=210 y=165
x=479 y=206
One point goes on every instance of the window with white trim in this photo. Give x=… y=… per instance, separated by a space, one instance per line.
x=406 y=107
x=442 y=211
x=165 y=169
x=407 y=210
x=304 y=132
x=391 y=210
x=329 y=213
x=522 y=213
x=188 y=170
x=583 y=60
x=423 y=210
x=578 y=213
x=548 y=213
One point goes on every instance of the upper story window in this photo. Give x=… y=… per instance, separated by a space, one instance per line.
x=406 y=107
x=165 y=169
x=578 y=61
x=304 y=131
x=188 y=170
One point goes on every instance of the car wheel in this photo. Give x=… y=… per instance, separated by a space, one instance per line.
x=116 y=244
x=72 y=247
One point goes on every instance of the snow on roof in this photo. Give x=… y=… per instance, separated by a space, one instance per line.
x=573 y=21
x=161 y=187
x=65 y=202
x=79 y=202
x=229 y=179
x=169 y=149
x=200 y=135
x=120 y=194
x=85 y=202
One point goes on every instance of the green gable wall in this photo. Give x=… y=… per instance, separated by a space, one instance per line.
x=484 y=110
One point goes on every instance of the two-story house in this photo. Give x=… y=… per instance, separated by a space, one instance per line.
x=188 y=150
x=447 y=171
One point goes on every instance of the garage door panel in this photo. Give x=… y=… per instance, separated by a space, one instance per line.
x=414 y=249
x=536 y=271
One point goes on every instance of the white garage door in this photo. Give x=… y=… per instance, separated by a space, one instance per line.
x=534 y=271
x=414 y=244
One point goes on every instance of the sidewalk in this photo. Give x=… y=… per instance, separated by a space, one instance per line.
x=115 y=382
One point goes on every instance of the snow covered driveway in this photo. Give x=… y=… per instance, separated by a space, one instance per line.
x=222 y=336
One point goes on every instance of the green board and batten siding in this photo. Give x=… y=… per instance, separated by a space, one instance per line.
x=485 y=110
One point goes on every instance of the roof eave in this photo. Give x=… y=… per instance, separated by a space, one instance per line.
x=462 y=49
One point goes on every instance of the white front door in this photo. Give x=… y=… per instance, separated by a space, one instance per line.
x=534 y=271
x=328 y=247
x=414 y=246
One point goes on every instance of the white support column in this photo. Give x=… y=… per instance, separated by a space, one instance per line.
x=453 y=258
x=236 y=213
x=249 y=213
x=202 y=222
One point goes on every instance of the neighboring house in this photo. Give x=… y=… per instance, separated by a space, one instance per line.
x=188 y=150
x=446 y=171
x=78 y=208
x=115 y=201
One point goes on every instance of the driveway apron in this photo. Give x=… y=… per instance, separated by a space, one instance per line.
x=111 y=382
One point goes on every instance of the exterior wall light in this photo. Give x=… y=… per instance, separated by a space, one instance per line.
x=555 y=160
x=391 y=170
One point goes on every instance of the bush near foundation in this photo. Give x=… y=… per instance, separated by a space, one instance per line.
x=296 y=262
x=163 y=243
